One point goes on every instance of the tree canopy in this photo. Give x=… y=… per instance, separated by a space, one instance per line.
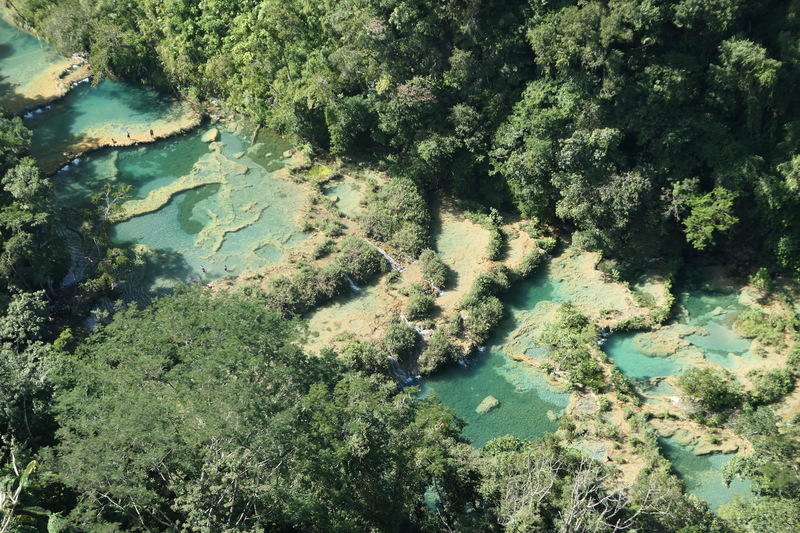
x=639 y=124
x=199 y=412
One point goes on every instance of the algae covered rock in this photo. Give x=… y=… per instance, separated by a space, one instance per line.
x=487 y=404
x=210 y=136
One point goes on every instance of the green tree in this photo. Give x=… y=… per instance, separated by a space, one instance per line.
x=201 y=410
x=421 y=303
x=712 y=388
x=709 y=213
x=434 y=270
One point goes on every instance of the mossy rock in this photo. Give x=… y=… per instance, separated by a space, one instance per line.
x=320 y=173
x=487 y=404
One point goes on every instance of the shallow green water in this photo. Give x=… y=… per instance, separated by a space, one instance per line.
x=633 y=363
x=713 y=311
x=111 y=110
x=22 y=57
x=217 y=230
x=348 y=197
x=145 y=168
x=702 y=476
x=246 y=222
x=529 y=406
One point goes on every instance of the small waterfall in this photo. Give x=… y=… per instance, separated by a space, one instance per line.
x=79 y=263
x=605 y=333
x=397 y=371
x=37 y=110
x=353 y=286
x=72 y=163
x=76 y=83
x=424 y=333
x=394 y=264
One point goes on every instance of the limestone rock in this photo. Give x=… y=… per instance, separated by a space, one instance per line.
x=210 y=136
x=487 y=404
x=706 y=446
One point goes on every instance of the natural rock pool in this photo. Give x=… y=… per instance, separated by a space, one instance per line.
x=702 y=474
x=528 y=406
x=112 y=113
x=200 y=209
x=31 y=72
x=208 y=210
x=701 y=333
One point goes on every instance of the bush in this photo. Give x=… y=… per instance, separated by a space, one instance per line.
x=761 y=279
x=307 y=288
x=767 y=329
x=434 y=270
x=644 y=299
x=793 y=360
x=364 y=357
x=332 y=227
x=400 y=340
x=659 y=315
x=570 y=336
x=483 y=315
x=714 y=389
x=421 y=304
x=360 y=260
x=587 y=373
x=323 y=249
x=548 y=244
x=570 y=329
x=490 y=283
x=454 y=325
x=603 y=404
x=771 y=386
x=497 y=244
x=438 y=352
x=397 y=214
x=531 y=262
x=662 y=313
x=312 y=285
x=623 y=386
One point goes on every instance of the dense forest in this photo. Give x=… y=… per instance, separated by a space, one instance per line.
x=647 y=130
x=640 y=125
